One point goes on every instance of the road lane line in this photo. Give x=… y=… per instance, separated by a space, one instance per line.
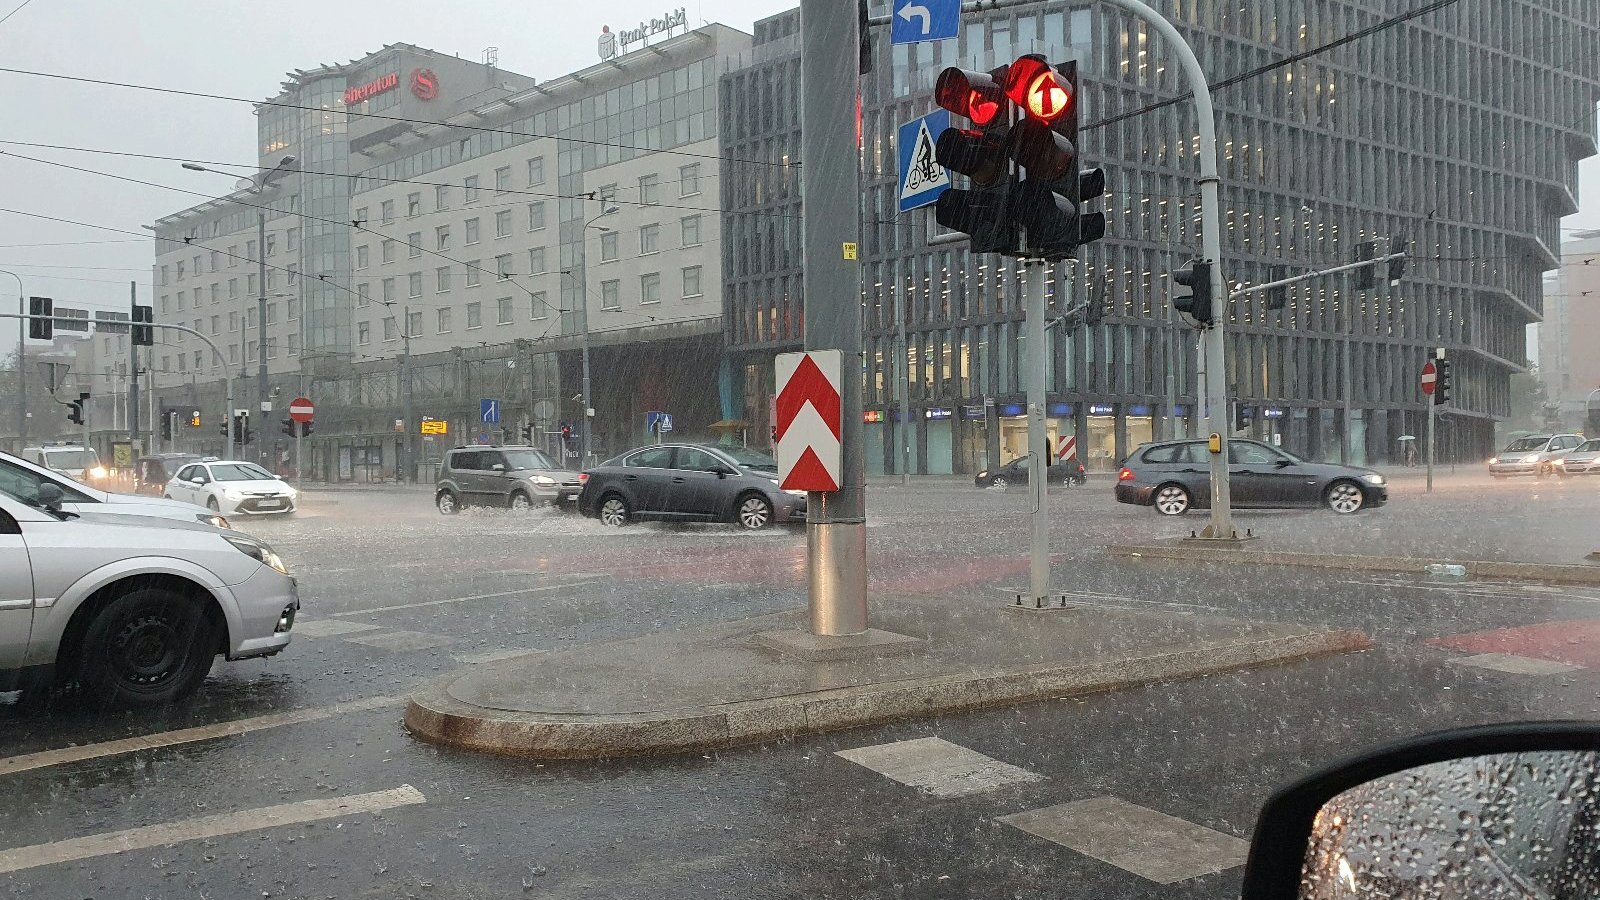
x=26 y=762
x=426 y=603
x=219 y=825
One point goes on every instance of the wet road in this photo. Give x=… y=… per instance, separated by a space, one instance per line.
x=292 y=776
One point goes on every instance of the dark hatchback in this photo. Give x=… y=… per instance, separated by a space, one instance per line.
x=1174 y=477
x=151 y=473
x=689 y=482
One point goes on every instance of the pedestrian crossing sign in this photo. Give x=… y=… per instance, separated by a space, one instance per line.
x=922 y=179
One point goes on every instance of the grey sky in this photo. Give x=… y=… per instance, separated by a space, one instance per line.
x=240 y=50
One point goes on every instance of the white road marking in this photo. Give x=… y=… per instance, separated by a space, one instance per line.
x=426 y=603
x=1515 y=665
x=14 y=764
x=322 y=628
x=400 y=640
x=472 y=659
x=1150 y=844
x=938 y=767
x=219 y=825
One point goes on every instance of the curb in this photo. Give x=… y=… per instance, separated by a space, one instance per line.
x=434 y=716
x=1558 y=572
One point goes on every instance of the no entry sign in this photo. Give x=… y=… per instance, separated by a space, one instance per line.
x=1430 y=374
x=301 y=410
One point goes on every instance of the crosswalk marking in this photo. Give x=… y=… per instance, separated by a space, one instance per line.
x=1512 y=664
x=213 y=826
x=938 y=767
x=330 y=628
x=1150 y=844
x=400 y=640
x=497 y=594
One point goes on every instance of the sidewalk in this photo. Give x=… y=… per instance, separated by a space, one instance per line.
x=726 y=684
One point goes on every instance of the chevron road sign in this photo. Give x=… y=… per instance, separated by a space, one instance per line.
x=808 y=420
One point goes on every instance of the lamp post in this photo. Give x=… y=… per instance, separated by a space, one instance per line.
x=587 y=435
x=22 y=360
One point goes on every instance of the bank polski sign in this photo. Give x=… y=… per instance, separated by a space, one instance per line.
x=678 y=18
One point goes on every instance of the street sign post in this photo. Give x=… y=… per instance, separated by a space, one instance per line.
x=922 y=179
x=489 y=411
x=914 y=21
x=1430 y=379
x=301 y=411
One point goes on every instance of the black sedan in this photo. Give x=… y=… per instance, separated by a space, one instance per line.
x=1016 y=472
x=689 y=483
x=1174 y=477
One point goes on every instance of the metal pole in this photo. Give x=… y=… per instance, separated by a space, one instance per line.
x=902 y=388
x=1344 y=379
x=831 y=232
x=133 y=380
x=265 y=401
x=22 y=361
x=1429 y=400
x=299 y=460
x=407 y=410
x=585 y=437
x=1038 y=437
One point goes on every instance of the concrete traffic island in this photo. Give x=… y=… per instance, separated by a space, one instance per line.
x=734 y=683
x=1262 y=553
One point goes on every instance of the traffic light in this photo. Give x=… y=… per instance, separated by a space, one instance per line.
x=1049 y=200
x=978 y=153
x=1397 y=269
x=1441 y=383
x=527 y=434
x=143 y=334
x=41 y=329
x=1196 y=276
x=194 y=419
x=566 y=433
x=1243 y=417
x=1367 y=276
x=166 y=427
x=1278 y=297
x=75 y=409
x=306 y=428
x=288 y=427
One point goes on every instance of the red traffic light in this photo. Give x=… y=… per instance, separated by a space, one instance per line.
x=975 y=95
x=1040 y=90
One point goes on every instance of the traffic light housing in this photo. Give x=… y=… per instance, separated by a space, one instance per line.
x=41 y=329
x=194 y=419
x=1196 y=304
x=1050 y=198
x=289 y=427
x=1278 y=297
x=1397 y=270
x=166 y=427
x=1243 y=417
x=566 y=433
x=980 y=210
x=75 y=409
x=142 y=333
x=307 y=427
x=1367 y=276
x=1441 y=382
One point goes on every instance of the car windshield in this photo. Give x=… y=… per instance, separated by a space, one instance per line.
x=1523 y=445
x=1589 y=446
x=529 y=459
x=752 y=459
x=239 y=472
x=70 y=459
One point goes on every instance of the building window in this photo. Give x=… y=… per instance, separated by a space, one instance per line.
x=536 y=264
x=291 y=243
x=414 y=244
x=473 y=231
x=502 y=223
x=611 y=294
x=649 y=238
x=503 y=311
x=272 y=313
x=294 y=309
x=164 y=274
x=605 y=194
x=608 y=246
x=294 y=344
x=361 y=219
x=441 y=197
x=502 y=179
x=650 y=189
x=474 y=314
x=502 y=266
x=650 y=288
x=443 y=320
x=536 y=215
x=689 y=180
x=216 y=324
x=470 y=189
x=180 y=270
x=272 y=279
x=233 y=291
x=390 y=332
x=233 y=353
x=364 y=333
x=386 y=210
x=415 y=284
x=363 y=256
x=474 y=272
x=233 y=321
x=536 y=170
x=441 y=237
x=414 y=324
x=199 y=355
x=233 y=250
x=293 y=276
x=216 y=260
x=414 y=204
x=691 y=281
x=442 y=276
x=250 y=283
x=541 y=306
x=216 y=291
x=691 y=231
x=363 y=296
x=388 y=290
x=388 y=251
x=166 y=304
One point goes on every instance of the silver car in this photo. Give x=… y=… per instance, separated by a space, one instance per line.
x=1583 y=460
x=1535 y=455
x=23 y=479
x=133 y=609
x=515 y=477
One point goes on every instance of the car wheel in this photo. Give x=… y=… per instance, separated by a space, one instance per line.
x=755 y=512
x=211 y=504
x=1345 y=497
x=997 y=481
x=148 y=648
x=520 y=501
x=614 y=511
x=447 y=503
x=1172 y=500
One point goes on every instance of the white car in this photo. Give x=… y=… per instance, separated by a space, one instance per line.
x=23 y=479
x=134 y=610
x=232 y=487
x=1583 y=460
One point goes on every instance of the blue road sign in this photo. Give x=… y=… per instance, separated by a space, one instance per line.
x=922 y=179
x=656 y=422
x=489 y=411
x=924 y=20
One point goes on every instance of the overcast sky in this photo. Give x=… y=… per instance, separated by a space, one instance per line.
x=240 y=50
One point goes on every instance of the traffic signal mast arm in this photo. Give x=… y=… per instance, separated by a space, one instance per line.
x=1347 y=267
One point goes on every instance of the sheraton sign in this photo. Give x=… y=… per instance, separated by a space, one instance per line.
x=372 y=88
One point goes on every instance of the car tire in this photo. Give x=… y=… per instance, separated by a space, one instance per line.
x=213 y=505
x=613 y=511
x=520 y=501
x=998 y=481
x=754 y=512
x=148 y=647
x=447 y=502
x=1172 y=499
x=1344 y=497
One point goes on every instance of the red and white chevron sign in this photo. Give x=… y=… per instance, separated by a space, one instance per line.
x=809 y=413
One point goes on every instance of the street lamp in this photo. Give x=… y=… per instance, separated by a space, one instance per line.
x=583 y=325
x=408 y=467
x=22 y=359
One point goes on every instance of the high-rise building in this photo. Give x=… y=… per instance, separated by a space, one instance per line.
x=1569 y=336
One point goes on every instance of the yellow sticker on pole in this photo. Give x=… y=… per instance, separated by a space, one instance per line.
x=1215 y=444
x=849 y=249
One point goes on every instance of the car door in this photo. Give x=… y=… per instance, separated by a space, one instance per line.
x=181 y=487
x=16 y=594
x=494 y=477
x=1285 y=480
x=646 y=475
x=1252 y=473
x=698 y=488
x=1191 y=467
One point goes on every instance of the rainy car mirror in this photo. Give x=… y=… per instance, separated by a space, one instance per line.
x=50 y=496
x=1284 y=463
x=1494 y=811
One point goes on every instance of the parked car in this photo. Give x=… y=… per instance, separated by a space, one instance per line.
x=75 y=461
x=233 y=487
x=134 y=610
x=151 y=473
x=1175 y=476
x=23 y=480
x=1534 y=455
x=515 y=477
x=1016 y=472
x=690 y=482
x=1583 y=459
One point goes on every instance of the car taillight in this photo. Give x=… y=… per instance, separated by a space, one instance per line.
x=1125 y=475
x=583 y=477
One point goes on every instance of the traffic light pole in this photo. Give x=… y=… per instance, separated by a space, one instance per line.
x=133 y=380
x=1038 y=437
x=836 y=527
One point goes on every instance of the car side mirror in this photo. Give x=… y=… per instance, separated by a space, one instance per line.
x=1284 y=463
x=724 y=473
x=1498 y=810
x=50 y=496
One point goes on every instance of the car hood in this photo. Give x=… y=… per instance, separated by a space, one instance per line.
x=150 y=521
x=161 y=503
x=563 y=476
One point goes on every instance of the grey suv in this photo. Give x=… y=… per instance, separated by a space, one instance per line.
x=516 y=477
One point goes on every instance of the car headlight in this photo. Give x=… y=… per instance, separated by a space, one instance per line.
x=97 y=472
x=232 y=494
x=1493 y=460
x=544 y=481
x=218 y=521
x=1374 y=478
x=1531 y=457
x=259 y=551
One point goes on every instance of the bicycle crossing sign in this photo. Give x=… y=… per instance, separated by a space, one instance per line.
x=922 y=179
